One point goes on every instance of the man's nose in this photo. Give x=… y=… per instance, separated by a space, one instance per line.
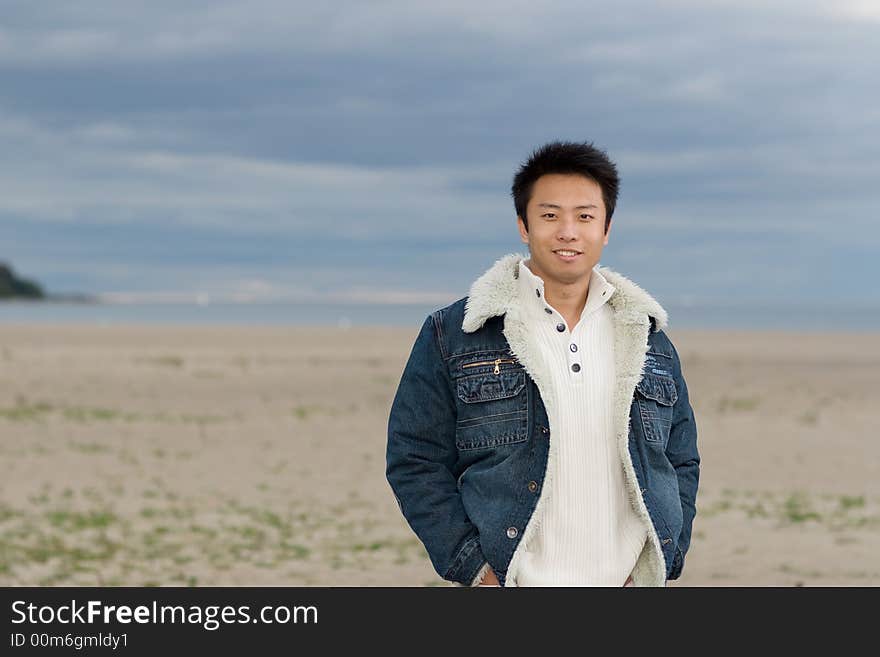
x=566 y=230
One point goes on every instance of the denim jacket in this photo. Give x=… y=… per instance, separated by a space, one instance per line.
x=469 y=442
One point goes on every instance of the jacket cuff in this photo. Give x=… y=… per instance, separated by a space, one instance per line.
x=677 y=564
x=467 y=563
x=481 y=574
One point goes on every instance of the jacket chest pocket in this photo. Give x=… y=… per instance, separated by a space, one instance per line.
x=656 y=396
x=492 y=407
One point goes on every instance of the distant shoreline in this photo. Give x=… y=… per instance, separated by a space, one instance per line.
x=54 y=298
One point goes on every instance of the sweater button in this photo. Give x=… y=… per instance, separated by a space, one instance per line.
x=560 y=327
x=511 y=532
x=575 y=367
x=533 y=486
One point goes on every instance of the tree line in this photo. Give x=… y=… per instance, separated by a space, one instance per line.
x=13 y=286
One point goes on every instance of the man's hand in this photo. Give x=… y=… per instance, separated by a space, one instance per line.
x=489 y=579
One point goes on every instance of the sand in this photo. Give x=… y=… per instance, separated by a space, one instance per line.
x=136 y=455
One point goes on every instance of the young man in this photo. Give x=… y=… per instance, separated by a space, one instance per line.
x=541 y=434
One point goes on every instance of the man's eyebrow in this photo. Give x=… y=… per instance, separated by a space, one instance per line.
x=559 y=207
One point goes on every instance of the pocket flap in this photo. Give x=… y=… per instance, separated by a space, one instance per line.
x=659 y=388
x=488 y=387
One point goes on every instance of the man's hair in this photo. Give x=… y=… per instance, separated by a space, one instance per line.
x=566 y=157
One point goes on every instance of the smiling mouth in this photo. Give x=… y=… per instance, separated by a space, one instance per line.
x=567 y=253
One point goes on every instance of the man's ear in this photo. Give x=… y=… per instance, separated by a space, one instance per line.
x=607 y=232
x=523 y=231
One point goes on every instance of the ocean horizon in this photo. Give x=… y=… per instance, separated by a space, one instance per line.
x=755 y=316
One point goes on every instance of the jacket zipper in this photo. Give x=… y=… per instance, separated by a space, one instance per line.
x=497 y=363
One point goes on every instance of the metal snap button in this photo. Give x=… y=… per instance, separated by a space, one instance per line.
x=511 y=532
x=533 y=486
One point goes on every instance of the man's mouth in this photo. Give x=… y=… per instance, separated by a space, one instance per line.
x=567 y=254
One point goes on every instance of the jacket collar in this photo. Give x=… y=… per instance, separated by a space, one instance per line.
x=495 y=292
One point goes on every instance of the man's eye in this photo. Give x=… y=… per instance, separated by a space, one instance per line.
x=586 y=216
x=548 y=214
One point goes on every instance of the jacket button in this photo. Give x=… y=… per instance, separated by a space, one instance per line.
x=545 y=430
x=663 y=542
x=533 y=486
x=560 y=327
x=511 y=532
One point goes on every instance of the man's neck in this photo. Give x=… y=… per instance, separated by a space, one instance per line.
x=568 y=299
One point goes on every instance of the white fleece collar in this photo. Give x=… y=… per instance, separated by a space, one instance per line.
x=496 y=291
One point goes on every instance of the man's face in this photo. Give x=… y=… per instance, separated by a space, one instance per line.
x=566 y=213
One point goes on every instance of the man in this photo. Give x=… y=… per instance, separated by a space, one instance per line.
x=541 y=434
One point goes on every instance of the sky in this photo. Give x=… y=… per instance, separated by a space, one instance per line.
x=364 y=151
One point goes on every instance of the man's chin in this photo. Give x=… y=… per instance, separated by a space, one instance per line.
x=569 y=270
x=561 y=272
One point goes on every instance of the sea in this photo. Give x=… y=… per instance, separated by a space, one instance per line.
x=859 y=319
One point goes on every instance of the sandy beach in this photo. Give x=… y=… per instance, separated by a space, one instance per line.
x=136 y=455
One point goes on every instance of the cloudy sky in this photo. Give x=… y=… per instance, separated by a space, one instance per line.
x=365 y=150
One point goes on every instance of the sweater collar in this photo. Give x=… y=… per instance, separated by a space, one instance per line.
x=530 y=288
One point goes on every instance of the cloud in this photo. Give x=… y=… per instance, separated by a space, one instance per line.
x=196 y=135
x=72 y=177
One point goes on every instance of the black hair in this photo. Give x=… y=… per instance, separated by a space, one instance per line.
x=566 y=157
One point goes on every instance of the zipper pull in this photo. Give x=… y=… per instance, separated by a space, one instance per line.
x=497 y=368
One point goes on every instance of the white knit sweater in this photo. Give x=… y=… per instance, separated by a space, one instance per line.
x=589 y=534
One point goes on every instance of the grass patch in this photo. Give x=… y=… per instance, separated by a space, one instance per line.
x=809 y=418
x=796 y=508
x=25 y=411
x=738 y=404
x=88 y=448
x=835 y=512
x=168 y=360
x=78 y=521
x=302 y=412
x=295 y=550
x=848 y=502
x=207 y=374
x=83 y=414
x=201 y=419
x=53 y=544
x=305 y=411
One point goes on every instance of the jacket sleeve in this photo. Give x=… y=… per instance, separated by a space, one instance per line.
x=682 y=453
x=420 y=458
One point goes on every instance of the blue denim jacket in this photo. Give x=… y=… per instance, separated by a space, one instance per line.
x=469 y=440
